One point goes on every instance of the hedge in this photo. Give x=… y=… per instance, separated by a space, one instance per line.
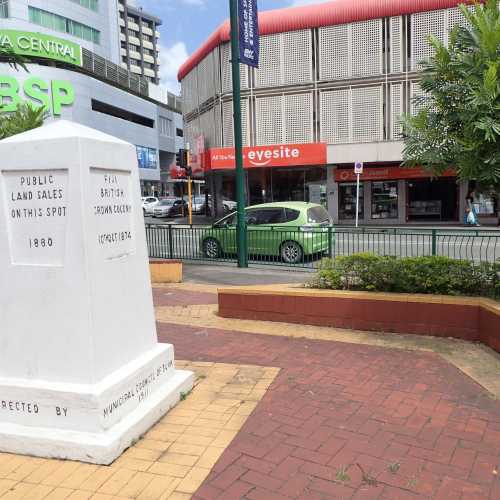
x=428 y=275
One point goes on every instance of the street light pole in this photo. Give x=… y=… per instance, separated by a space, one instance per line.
x=241 y=230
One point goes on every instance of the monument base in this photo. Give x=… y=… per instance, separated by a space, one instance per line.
x=91 y=423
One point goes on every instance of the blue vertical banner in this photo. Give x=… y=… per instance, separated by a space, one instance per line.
x=249 y=32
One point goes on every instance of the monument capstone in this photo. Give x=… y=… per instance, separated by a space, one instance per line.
x=82 y=374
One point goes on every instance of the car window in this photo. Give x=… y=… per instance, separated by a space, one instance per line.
x=227 y=221
x=271 y=216
x=150 y=200
x=317 y=215
x=291 y=215
x=166 y=202
x=251 y=217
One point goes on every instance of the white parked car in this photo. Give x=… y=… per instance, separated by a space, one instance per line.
x=229 y=205
x=197 y=203
x=148 y=204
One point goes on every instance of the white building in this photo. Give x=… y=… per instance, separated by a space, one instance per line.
x=105 y=95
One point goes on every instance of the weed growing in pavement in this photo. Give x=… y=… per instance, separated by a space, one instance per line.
x=342 y=475
x=394 y=467
x=184 y=395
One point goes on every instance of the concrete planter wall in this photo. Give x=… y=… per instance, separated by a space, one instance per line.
x=467 y=318
x=165 y=271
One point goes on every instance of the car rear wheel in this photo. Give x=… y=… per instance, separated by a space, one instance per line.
x=211 y=248
x=291 y=252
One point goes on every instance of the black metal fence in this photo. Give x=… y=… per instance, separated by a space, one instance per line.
x=304 y=247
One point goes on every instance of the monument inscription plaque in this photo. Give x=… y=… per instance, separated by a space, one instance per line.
x=82 y=374
x=37 y=209
x=112 y=210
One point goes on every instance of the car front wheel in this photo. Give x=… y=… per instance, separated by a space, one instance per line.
x=211 y=248
x=291 y=252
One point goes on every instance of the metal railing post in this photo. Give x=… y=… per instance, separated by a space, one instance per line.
x=170 y=242
x=434 y=242
x=330 y=243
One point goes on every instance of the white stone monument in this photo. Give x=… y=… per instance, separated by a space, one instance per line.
x=82 y=374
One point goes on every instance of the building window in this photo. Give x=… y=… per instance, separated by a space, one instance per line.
x=179 y=132
x=124 y=59
x=385 y=200
x=146 y=157
x=64 y=25
x=132 y=33
x=166 y=127
x=4 y=8
x=88 y=4
x=485 y=204
x=347 y=201
x=108 y=109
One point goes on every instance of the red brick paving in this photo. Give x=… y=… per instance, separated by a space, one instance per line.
x=417 y=426
x=176 y=297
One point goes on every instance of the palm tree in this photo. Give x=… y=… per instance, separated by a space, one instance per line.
x=14 y=60
x=26 y=117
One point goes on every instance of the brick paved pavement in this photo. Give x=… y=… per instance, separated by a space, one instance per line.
x=170 y=461
x=350 y=421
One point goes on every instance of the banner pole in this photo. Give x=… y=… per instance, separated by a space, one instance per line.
x=357 y=199
x=241 y=230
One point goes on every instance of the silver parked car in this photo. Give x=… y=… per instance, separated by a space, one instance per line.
x=170 y=207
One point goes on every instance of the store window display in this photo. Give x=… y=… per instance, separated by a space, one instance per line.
x=347 y=201
x=385 y=200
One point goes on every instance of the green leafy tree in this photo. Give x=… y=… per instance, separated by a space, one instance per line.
x=458 y=122
x=26 y=117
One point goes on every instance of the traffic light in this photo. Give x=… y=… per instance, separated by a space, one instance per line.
x=180 y=158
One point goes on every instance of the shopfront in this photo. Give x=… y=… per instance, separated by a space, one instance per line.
x=282 y=172
x=396 y=195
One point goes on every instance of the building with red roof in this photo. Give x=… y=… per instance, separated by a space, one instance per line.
x=332 y=83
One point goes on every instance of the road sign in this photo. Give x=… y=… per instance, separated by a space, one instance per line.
x=358 y=168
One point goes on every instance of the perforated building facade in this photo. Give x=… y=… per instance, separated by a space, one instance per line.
x=341 y=74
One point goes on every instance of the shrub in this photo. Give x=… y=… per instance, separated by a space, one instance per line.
x=429 y=275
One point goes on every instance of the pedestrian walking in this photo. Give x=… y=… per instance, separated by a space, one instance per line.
x=470 y=211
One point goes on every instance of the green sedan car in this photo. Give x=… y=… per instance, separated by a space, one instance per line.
x=287 y=230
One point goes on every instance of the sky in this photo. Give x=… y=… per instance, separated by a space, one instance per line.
x=188 y=23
